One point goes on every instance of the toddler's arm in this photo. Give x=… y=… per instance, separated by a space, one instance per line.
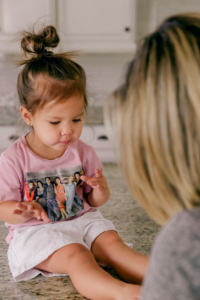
x=14 y=212
x=100 y=193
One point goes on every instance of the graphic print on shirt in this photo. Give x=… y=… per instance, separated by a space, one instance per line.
x=55 y=190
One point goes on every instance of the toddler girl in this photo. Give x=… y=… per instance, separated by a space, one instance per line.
x=44 y=239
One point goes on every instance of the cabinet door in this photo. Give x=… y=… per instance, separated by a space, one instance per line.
x=100 y=25
x=21 y=15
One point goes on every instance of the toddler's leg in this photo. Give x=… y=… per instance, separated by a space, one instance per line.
x=88 y=278
x=109 y=250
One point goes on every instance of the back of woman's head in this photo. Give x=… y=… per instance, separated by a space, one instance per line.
x=157 y=116
x=46 y=76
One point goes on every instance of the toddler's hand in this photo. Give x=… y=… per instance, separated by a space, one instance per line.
x=99 y=183
x=31 y=210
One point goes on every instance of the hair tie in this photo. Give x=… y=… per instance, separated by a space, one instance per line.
x=45 y=53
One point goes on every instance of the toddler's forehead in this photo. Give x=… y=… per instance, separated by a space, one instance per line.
x=56 y=108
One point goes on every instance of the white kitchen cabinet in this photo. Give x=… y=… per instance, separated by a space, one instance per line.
x=100 y=25
x=16 y=16
x=96 y=137
x=88 y=25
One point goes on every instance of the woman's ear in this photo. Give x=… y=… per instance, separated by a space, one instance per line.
x=26 y=115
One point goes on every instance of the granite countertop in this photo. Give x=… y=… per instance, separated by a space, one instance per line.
x=131 y=221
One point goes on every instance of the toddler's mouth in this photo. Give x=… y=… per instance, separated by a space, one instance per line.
x=65 y=142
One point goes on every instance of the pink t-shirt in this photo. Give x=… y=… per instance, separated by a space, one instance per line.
x=54 y=184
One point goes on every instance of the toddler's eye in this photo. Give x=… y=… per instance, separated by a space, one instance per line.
x=55 y=123
x=76 y=120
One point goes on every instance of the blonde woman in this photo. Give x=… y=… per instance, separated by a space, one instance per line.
x=156 y=114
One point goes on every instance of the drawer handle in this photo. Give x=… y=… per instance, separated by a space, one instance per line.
x=102 y=137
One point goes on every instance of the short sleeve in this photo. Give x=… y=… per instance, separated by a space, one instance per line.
x=175 y=261
x=10 y=185
x=91 y=163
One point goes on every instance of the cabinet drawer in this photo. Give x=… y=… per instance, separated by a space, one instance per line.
x=96 y=137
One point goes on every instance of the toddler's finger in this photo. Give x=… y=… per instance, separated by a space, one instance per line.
x=21 y=206
x=45 y=218
x=96 y=181
x=92 y=183
x=85 y=178
x=17 y=212
x=99 y=186
x=29 y=207
x=98 y=173
x=37 y=214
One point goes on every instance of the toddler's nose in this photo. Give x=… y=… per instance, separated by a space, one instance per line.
x=67 y=131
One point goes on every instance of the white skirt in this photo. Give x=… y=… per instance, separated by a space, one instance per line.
x=33 y=244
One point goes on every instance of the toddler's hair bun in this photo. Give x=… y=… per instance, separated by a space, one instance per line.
x=37 y=43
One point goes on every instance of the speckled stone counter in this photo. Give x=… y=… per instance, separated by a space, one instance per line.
x=130 y=220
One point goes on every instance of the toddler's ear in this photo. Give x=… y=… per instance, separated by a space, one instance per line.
x=26 y=115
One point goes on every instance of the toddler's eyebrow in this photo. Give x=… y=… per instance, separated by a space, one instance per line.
x=79 y=115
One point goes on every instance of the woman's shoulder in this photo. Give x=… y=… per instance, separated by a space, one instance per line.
x=184 y=223
x=179 y=231
x=175 y=242
x=175 y=261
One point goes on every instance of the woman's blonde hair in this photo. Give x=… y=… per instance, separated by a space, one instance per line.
x=156 y=114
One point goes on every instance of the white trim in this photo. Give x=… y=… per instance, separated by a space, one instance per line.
x=89 y=46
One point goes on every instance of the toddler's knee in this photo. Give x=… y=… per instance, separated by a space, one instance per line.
x=105 y=245
x=77 y=251
x=111 y=239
